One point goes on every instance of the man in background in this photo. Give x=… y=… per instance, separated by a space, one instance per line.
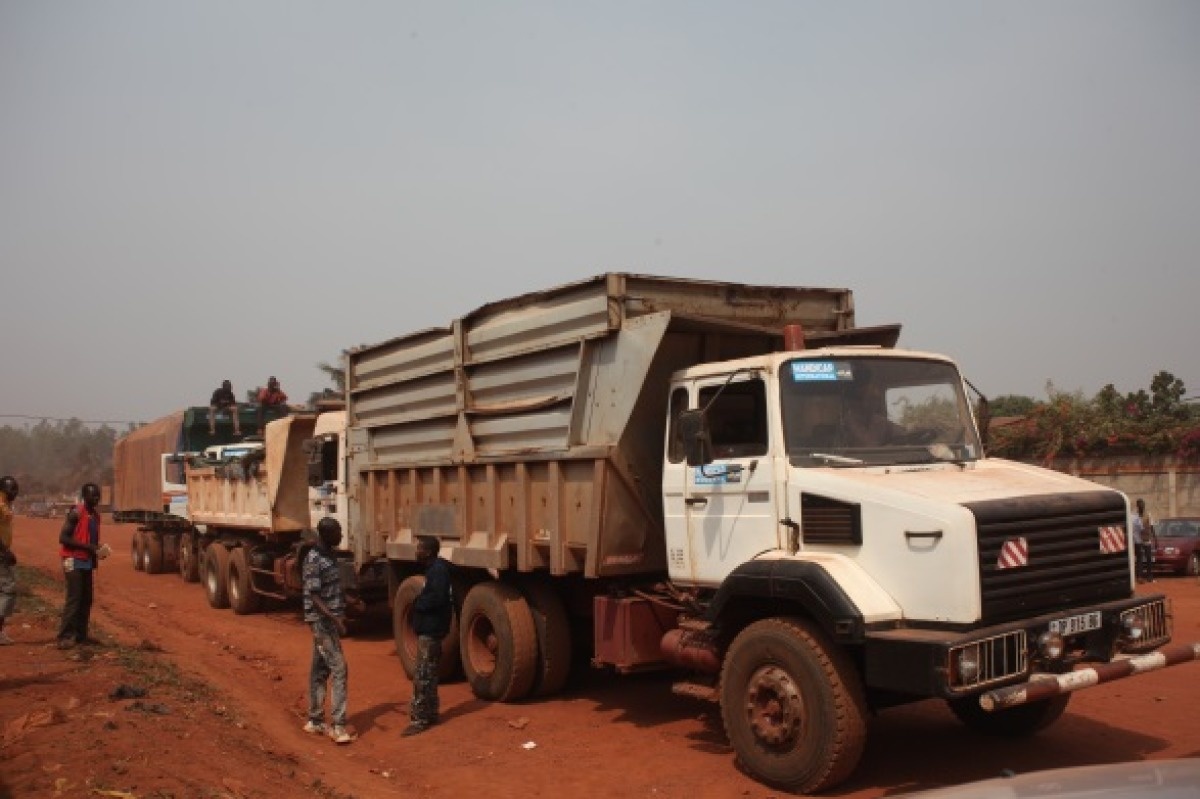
x=432 y=612
x=8 y=561
x=81 y=553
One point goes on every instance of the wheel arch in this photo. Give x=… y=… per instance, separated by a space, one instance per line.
x=760 y=589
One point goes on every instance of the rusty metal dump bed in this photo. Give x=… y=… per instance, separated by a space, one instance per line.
x=529 y=433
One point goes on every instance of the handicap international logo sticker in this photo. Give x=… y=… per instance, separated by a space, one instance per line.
x=820 y=370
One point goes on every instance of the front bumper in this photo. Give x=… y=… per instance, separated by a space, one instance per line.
x=928 y=662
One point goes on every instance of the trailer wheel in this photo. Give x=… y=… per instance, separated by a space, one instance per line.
x=239 y=583
x=152 y=553
x=215 y=572
x=406 y=639
x=1015 y=722
x=189 y=561
x=135 y=549
x=793 y=706
x=498 y=642
x=553 y=630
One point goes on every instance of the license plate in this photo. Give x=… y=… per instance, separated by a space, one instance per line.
x=1076 y=624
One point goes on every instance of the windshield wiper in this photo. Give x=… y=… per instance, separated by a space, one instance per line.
x=836 y=458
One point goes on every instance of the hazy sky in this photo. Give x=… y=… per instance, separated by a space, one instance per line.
x=195 y=191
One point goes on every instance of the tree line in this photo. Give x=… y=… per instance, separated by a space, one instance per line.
x=55 y=459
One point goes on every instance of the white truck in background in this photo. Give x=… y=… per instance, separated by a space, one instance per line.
x=730 y=480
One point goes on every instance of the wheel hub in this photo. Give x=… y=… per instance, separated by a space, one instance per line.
x=774 y=706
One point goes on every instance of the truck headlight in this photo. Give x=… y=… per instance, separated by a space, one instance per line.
x=1134 y=626
x=1170 y=550
x=967 y=665
x=1050 y=645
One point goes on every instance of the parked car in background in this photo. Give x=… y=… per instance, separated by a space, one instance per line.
x=38 y=510
x=1178 y=547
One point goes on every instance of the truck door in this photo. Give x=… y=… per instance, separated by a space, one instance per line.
x=722 y=514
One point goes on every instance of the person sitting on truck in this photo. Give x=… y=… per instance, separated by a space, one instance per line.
x=270 y=397
x=223 y=399
x=432 y=611
x=325 y=610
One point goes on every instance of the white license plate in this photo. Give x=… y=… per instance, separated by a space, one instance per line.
x=1076 y=624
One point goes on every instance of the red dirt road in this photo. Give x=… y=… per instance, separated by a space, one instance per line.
x=606 y=736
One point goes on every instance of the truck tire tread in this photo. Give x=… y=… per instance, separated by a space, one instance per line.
x=792 y=655
x=498 y=642
x=553 y=629
x=215 y=573
x=239 y=584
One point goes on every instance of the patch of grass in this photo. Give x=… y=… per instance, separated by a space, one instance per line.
x=159 y=673
x=31 y=585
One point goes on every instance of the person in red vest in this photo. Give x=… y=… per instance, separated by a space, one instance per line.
x=81 y=553
x=270 y=397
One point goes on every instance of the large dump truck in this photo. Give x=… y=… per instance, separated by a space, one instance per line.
x=738 y=482
x=732 y=481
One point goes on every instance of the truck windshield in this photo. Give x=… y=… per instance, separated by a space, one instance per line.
x=875 y=411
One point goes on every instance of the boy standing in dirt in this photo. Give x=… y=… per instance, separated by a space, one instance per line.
x=324 y=610
x=81 y=553
x=433 y=610
x=8 y=561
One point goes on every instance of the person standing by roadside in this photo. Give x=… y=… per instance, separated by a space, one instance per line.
x=433 y=610
x=1143 y=548
x=81 y=553
x=324 y=610
x=8 y=561
x=1143 y=538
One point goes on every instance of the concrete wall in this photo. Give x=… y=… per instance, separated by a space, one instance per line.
x=1171 y=487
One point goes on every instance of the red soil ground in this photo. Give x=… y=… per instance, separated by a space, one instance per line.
x=226 y=698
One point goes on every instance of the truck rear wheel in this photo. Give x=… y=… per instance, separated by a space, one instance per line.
x=498 y=642
x=215 y=572
x=189 y=561
x=1016 y=722
x=793 y=706
x=406 y=639
x=239 y=583
x=135 y=549
x=152 y=553
x=553 y=630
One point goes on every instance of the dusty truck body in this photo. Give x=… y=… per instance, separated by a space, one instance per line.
x=676 y=464
x=249 y=516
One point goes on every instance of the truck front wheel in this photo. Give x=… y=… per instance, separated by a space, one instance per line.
x=240 y=584
x=498 y=642
x=553 y=629
x=1016 y=722
x=406 y=638
x=215 y=572
x=793 y=706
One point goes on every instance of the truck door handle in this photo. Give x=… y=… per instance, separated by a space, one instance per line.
x=693 y=501
x=934 y=534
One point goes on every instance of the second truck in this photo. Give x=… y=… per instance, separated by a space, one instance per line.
x=730 y=480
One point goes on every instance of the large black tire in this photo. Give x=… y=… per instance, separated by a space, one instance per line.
x=189 y=558
x=498 y=642
x=135 y=549
x=239 y=584
x=449 y=667
x=216 y=572
x=793 y=706
x=152 y=553
x=1016 y=722
x=553 y=629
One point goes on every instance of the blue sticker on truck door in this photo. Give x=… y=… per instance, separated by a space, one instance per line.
x=717 y=474
x=820 y=370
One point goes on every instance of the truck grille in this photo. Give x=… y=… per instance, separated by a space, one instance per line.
x=1059 y=561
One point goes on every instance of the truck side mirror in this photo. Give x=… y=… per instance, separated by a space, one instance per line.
x=692 y=429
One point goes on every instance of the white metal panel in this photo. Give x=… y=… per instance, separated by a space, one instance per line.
x=544 y=430
x=549 y=324
x=417 y=441
x=528 y=378
x=429 y=397
x=402 y=359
